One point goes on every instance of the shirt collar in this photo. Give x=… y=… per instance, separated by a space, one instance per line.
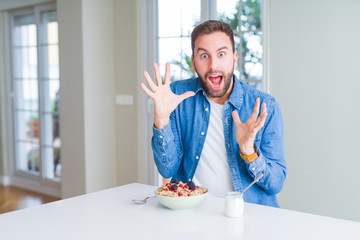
x=236 y=96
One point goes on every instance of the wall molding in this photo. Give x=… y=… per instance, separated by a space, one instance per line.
x=32 y=186
x=5 y=180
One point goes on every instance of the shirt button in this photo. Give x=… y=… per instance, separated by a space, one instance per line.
x=197 y=157
x=161 y=136
x=206 y=109
x=164 y=154
x=253 y=169
x=202 y=133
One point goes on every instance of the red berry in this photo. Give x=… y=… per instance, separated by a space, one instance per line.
x=197 y=187
x=180 y=185
x=175 y=190
x=186 y=186
x=189 y=194
x=180 y=194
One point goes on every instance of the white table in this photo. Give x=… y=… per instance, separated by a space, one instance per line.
x=110 y=214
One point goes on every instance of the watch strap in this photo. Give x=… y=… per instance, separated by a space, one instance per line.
x=249 y=158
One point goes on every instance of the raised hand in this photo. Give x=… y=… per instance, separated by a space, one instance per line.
x=165 y=101
x=246 y=132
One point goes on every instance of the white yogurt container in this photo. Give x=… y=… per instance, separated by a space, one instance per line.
x=234 y=204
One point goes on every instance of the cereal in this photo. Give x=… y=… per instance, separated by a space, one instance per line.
x=180 y=189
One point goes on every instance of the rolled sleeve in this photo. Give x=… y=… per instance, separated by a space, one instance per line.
x=165 y=151
x=160 y=136
x=258 y=165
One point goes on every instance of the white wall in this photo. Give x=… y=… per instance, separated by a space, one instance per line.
x=87 y=95
x=99 y=72
x=315 y=75
x=126 y=82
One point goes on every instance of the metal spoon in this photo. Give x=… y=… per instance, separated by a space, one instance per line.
x=256 y=179
x=142 y=201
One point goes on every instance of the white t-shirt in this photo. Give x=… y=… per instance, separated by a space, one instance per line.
x=213 y=171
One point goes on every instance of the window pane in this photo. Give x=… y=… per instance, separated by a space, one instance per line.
x=176 y=18
x=176 y=22
x=190 y=15
x=250 y=15
x=24 y=33
x=169 y=18
x=25 y=62
x=228 y=11
x=26 y=125
x=170 y=52
x=26 y=94
x=251 y=65
x=49 y=28
x=28 y=156
x=50 y=61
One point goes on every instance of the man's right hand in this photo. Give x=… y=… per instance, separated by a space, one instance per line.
x=165 y=101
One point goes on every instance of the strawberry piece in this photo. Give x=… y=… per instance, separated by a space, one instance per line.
x=180 y=194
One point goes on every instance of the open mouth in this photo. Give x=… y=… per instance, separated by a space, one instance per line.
x=215 y=80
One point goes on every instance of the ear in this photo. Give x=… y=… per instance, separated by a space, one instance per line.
x=193 y=63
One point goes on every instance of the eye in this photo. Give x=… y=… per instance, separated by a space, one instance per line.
x=204 y=56
x=221 y=54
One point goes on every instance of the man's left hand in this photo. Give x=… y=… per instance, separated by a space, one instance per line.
x=246 y=132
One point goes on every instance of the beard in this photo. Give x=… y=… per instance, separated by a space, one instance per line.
x=219 y=93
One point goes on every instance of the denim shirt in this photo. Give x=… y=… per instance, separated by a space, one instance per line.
x=177 y=147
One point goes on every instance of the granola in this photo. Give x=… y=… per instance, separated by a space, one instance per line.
x=180 y=189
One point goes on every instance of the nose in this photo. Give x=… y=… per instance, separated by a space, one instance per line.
x=214 y=64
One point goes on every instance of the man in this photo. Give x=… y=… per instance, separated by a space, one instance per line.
x=211 y=129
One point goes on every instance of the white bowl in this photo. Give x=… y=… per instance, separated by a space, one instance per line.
x=181 y=203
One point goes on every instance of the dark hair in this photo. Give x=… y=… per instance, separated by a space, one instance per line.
x=211 y=26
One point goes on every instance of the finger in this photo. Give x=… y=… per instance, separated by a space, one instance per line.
x=187 y=95
x=263 y=113
x=256 y=110
x=262 y=119
x=147 y=91
x=167 y=74
x=236 y=117
x=157 y=74
x=149 y=81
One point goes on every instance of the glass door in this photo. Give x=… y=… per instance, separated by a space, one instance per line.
x=35 y=85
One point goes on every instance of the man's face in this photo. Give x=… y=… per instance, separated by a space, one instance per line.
x=214 y=61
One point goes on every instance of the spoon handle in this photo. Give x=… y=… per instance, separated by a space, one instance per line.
x=256 y=179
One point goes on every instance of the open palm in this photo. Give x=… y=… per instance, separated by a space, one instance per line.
x=246 y=132
x=165 y=101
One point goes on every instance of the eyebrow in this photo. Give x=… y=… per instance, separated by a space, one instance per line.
x=203 y=49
